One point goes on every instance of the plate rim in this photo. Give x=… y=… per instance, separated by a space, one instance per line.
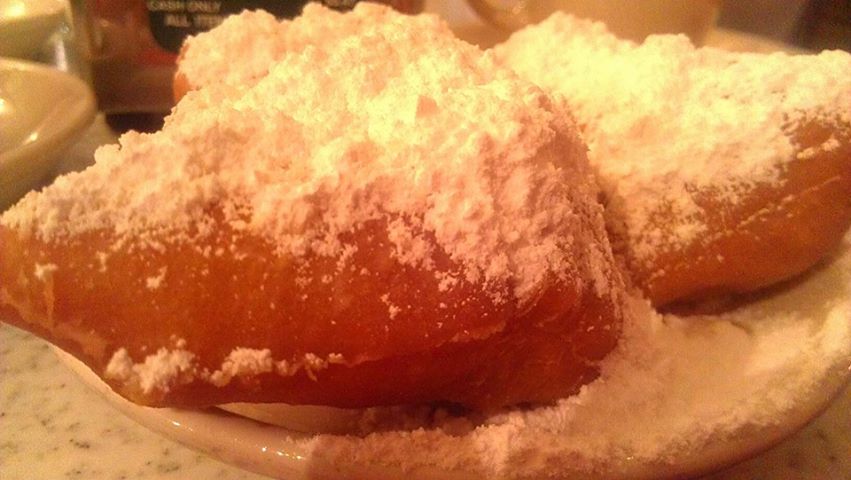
x=45 y=149
x=282 y=457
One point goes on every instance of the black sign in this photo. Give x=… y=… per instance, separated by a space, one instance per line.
x=173 y=20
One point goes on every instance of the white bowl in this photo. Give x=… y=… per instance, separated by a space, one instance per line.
x=26 y=24
x=41 y=111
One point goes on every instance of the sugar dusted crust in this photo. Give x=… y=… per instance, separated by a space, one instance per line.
x=369 y=223
x=723 y=172
x=243 y=48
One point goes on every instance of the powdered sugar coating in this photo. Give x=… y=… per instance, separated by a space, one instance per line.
x=252 y=33
x=664 y=120
x=435 y=137
x=168 y=367
x=243 y=47
x=159 y=371
x=678 y=390
x=676 y=397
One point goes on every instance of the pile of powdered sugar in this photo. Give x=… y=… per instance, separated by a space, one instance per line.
x=243 y=47
x=665 y=120
x=681 y=393
x=433 y=138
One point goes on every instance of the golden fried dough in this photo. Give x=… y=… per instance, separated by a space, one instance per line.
x=412 y=223
x=722 y=172
x=774 y=232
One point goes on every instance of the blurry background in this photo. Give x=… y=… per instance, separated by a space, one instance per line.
x=100 y=43
x=125 y=51
x=812 y=24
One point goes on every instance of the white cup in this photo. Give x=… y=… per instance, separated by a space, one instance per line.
x=632 y=19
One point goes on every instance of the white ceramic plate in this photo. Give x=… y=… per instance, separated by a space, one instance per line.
x=26 y=24
x=802 y=336
x=41 y=111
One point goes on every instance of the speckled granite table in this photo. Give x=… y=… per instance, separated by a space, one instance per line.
x=54 y=427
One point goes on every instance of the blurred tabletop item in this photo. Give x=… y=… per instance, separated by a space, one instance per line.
x=809 y=24
x=45 y=101
x=42 y=111
x=26 y=25
x=626 y=19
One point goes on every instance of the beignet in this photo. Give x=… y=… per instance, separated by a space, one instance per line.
x=389 y=218
x=722 y=172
